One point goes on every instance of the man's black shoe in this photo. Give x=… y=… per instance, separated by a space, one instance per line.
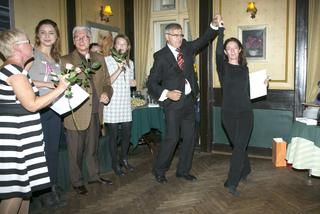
x=127 y=166
x=101 y=181
x=117 y=170
x=188 y=177
x=82 y=190
x=161 y=179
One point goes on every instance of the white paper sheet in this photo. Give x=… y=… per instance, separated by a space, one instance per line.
x=61 y=106
x=258 y=88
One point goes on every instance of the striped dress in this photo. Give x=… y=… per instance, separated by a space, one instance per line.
x=23 y=166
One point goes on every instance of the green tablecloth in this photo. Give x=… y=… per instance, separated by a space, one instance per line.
x=302 y=130
x=144 y=119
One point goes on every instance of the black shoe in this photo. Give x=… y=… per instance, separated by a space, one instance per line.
x=101 y=181
x=188 y=177
x=231 y=189
x=161 y=179
x=126 y=165
x=56 y=194
x=81 y=190
x=117 y=170
x=47 y=200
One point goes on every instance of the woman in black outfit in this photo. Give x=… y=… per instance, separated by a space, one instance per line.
x=236 y=110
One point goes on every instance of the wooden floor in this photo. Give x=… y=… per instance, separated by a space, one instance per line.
x=268 y=190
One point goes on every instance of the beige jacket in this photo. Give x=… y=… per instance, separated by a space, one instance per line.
x=102 y=84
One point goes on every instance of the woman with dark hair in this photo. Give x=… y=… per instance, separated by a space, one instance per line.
x=47 y=59
x=236 y=109
x=118 y=111
x=22 y=159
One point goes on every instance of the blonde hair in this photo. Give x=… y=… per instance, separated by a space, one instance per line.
x=7 y=39
x=125 y=37
x=105 y=41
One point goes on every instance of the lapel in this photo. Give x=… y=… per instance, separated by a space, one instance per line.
x=171 y=59
x=76 y=60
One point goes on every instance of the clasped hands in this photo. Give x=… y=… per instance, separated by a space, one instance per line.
x=217 y=21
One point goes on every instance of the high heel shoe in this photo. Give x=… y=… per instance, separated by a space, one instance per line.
x=126 y=165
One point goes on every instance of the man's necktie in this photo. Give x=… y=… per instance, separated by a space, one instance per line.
x=180 y=59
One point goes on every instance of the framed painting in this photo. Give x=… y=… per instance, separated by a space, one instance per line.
x=103 y=35
x=253 y=39
x=99 y=30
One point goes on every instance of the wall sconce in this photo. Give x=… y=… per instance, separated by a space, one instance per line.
x=252 y=9
x=105 y=12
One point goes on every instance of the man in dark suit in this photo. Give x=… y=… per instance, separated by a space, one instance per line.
x=82 y=140
x=173 y=82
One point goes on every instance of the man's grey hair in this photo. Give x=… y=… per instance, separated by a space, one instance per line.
x=82 y=28
x=172 y=26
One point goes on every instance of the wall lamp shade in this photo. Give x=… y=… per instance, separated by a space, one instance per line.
x=251 y=8
x=105 y=13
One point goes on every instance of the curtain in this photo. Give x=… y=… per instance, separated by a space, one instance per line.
x=313 y=66
x=142 y=10
x=192 y=7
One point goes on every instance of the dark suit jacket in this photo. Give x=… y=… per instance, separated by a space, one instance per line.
x=102 y=84
x=166 y=74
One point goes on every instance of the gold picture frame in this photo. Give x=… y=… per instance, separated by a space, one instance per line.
x=253 y=39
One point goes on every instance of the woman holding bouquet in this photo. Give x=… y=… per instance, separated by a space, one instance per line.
x=118 y=111
x=47 y=59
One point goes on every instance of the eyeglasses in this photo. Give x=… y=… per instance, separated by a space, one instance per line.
x=176 y=35
x=78 y=39
x=22 y=42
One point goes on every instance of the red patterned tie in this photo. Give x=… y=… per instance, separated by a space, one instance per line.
x=180 y=59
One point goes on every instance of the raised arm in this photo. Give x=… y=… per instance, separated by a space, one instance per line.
x=220 y=54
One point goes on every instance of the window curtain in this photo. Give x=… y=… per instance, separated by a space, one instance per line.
x=313 y=66
x=142 y=11
x=192 y=7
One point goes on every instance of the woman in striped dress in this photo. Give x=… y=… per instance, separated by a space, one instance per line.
x=23 y=166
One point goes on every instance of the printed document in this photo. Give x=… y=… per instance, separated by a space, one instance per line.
x=61 y=106
x=258 y=88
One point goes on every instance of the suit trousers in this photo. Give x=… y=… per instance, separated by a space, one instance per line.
x=84 y=143
x=180 y=123
x=238 y=128
x=112 y=132
x=51 y=127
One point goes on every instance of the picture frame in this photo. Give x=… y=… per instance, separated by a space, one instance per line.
x=167 y=4
x=103 y=35
x=253 y=39
x=98 y=31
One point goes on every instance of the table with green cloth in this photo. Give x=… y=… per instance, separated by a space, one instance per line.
x=144 y=119
x=303 y=151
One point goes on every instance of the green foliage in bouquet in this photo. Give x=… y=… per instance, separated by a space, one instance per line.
x=118 y=57
x=73 y=77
